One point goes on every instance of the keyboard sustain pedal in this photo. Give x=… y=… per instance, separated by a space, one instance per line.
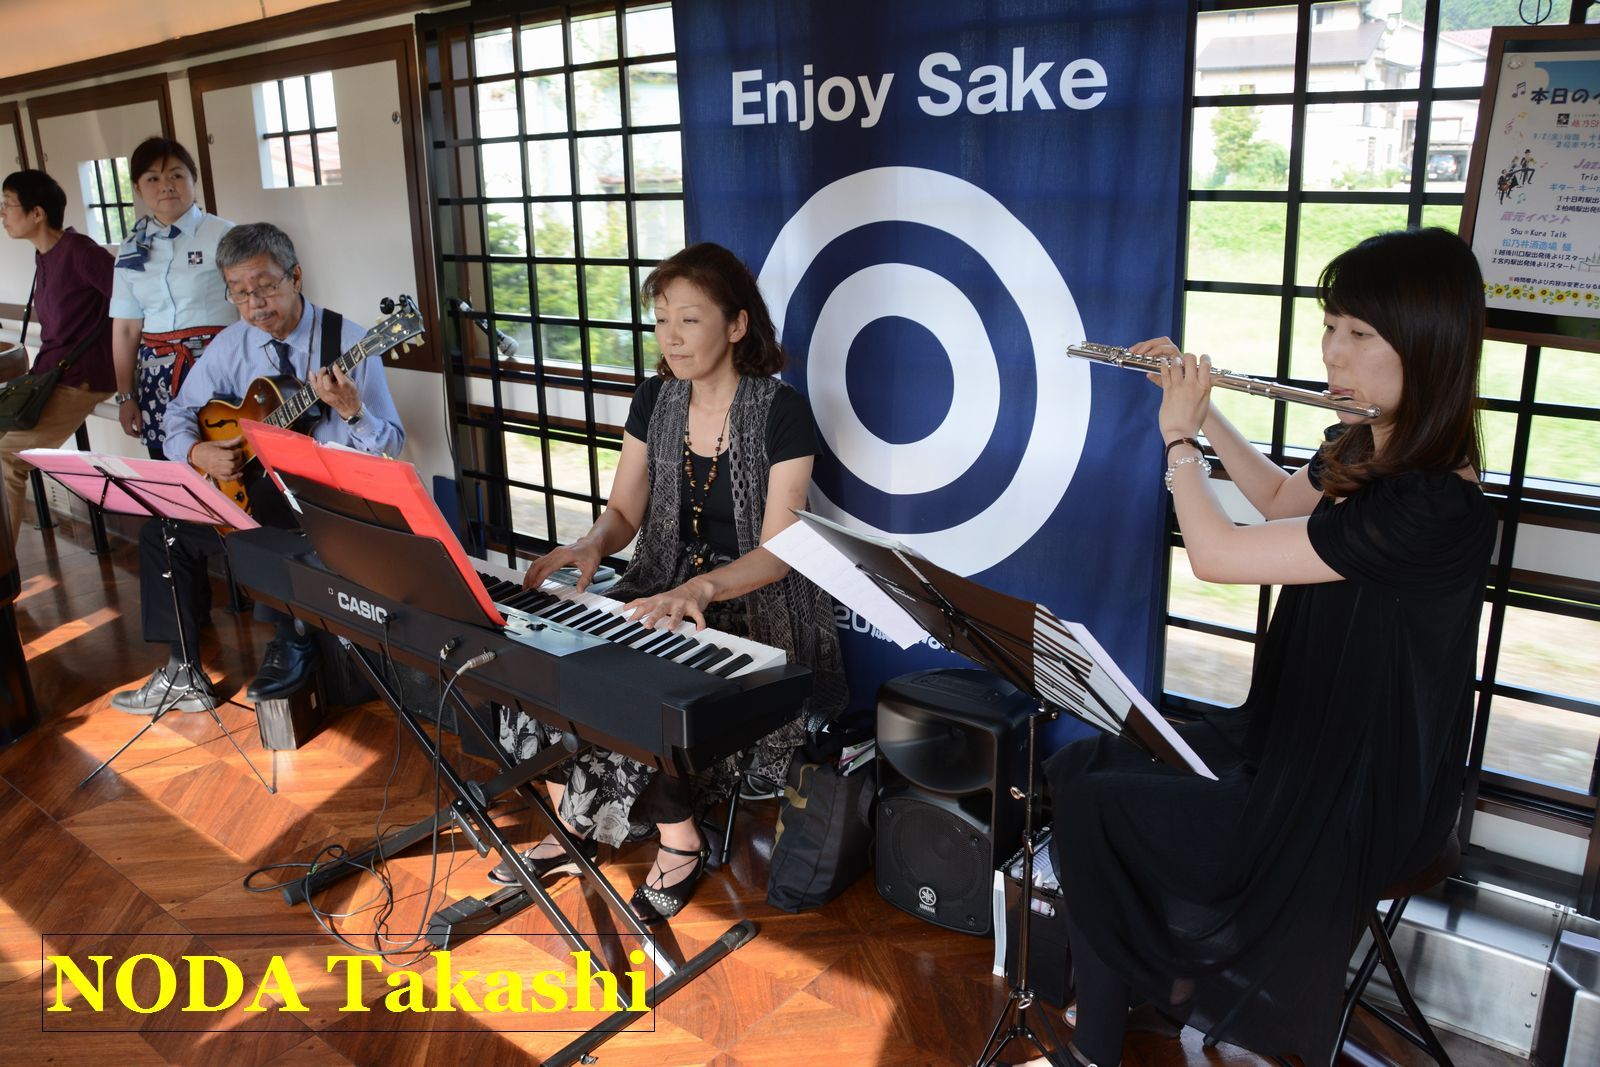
x=471 y=916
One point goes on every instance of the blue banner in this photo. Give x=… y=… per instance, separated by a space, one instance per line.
x=939 y=196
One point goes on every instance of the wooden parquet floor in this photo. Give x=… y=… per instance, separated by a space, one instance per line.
x=151 y=855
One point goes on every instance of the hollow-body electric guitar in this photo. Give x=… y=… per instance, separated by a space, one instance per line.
x=279 y=400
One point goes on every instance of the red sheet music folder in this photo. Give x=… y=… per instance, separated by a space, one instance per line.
x=375 y=478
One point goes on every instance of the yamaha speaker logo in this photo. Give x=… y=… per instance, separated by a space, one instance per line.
x=927 y=899
x=1054 y=415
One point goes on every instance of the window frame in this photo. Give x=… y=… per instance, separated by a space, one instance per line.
x=312 y=132
x=107 y=209
x=484 y=384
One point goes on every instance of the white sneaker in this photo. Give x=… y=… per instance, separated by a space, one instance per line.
x=159 y=691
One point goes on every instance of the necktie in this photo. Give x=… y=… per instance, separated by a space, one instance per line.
x=285 y=365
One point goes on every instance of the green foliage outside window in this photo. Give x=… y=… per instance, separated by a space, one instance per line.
x=1241 y=158
x=607 y=287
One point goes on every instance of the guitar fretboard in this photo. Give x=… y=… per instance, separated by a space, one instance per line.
x=380 y=338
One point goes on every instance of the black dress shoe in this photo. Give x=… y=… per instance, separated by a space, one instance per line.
x=283 y=669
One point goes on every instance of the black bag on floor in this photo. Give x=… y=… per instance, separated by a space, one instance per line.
x=825 y=835
x=23 y=398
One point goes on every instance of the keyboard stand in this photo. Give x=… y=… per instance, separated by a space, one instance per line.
x=470 y=916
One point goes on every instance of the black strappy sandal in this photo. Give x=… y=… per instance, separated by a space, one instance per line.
x=544 y=867
x=652 y=904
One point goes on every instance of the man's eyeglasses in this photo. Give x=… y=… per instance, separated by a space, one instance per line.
x=265 y=292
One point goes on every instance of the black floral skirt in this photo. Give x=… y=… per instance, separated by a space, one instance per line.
x=602 y=786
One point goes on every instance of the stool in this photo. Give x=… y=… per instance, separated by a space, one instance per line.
x=719 y=839
x=1420 y=1034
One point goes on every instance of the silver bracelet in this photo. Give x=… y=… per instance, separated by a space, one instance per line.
x=1205 y=468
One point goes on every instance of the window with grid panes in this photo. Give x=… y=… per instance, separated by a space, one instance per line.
x=1316 y=125
x=107 y=198
x=557 y=172
x=299 y=128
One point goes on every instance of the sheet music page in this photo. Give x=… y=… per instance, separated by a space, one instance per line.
x=808 y=552
x=862 y=535
x=177 y=489
x=1057 y=651
x=1108 y=676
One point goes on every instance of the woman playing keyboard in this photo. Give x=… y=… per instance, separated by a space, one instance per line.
x=716 y=454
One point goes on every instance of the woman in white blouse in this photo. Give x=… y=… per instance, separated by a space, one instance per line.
x=167 y=296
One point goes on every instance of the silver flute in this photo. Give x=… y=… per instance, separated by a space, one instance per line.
x=1227 y=379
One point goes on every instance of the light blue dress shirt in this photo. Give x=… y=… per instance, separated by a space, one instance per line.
x=174 y=284
x=242 y=353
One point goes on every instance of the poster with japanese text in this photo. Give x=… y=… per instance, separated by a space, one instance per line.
x=1536 y=229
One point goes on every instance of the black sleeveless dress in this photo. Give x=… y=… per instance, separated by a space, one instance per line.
x=1235 y=904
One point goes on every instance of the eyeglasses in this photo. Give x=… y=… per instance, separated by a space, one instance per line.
x=265 y=292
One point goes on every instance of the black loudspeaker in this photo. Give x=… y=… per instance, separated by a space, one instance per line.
x=951 y=743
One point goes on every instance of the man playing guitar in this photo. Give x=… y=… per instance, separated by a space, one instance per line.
x=279 y=335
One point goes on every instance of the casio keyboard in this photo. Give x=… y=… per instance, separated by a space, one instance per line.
x=679 y=700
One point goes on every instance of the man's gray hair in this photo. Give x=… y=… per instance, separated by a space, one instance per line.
x=255 y=239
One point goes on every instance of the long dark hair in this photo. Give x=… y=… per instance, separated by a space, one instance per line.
x=1422 y=291
x=724 y=278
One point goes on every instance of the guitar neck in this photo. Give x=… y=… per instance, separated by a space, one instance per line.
x=298 y=404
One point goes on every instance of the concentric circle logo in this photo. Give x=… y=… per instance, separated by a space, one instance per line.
x=1060 y=415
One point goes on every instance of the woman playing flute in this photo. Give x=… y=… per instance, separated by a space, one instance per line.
x=1234 y=905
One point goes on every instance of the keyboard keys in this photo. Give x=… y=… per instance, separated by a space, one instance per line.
x=717 y=656
x=702 y=656
x=599 y=616
x=635 y=635
x=676 y=644
x=610 y=628
x=727 y=669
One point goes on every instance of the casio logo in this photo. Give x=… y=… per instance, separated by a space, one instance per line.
x=364 y=608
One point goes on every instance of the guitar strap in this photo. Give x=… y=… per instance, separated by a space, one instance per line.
x=332 y=331
x=267 y=505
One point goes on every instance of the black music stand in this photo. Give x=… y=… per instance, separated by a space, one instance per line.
x=1025 y=644
x=370 y=545
x=164 y=491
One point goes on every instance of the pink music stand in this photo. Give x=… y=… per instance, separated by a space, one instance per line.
x=162 y=490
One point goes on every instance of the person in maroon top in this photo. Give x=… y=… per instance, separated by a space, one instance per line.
x=71 y=298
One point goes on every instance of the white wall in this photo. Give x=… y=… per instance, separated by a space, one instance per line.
x=65 y=141
x=354 y=239
x=16 y=257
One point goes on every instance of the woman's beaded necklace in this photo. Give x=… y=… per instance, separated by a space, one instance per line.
x=699 y=494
